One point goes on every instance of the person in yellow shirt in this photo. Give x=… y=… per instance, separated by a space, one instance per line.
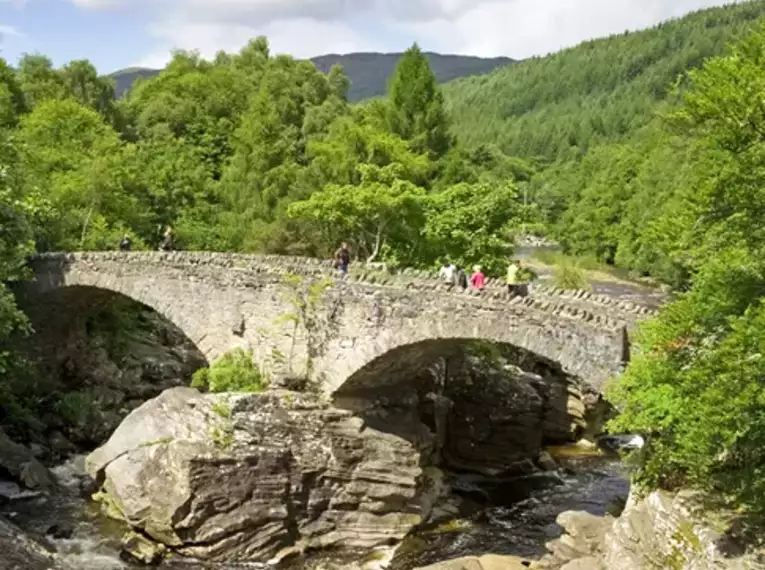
x=514 y=277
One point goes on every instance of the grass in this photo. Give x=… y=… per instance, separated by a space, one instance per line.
x=222 y=409
x=593 y=269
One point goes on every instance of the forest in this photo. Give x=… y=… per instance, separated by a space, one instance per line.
x=368 y=72
x=646 y=150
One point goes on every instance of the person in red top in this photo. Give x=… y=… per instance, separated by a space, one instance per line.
x=478 y=279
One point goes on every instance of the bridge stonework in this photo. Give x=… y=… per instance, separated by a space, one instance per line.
x=222 y=301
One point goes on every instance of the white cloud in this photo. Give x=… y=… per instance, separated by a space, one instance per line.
x=299 y=36
x=515 y=28
x=9 y=32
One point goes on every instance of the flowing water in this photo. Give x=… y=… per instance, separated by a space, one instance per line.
x=503 y=517
x=517 y=517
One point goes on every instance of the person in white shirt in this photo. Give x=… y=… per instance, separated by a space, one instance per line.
x=447 y=273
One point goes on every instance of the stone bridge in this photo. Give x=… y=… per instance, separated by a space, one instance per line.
x=360 y=322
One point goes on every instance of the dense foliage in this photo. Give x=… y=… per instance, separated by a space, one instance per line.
x=612 y=175
x=368 y=72
x=249 y=152
x=697 y=385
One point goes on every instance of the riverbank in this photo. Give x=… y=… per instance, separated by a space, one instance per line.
x=601 y=279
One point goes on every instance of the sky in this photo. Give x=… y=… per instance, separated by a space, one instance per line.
x=115 y=34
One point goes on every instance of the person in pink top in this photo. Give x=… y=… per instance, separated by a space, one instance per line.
x=478 y=279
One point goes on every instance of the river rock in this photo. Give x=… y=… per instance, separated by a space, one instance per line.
x=659 y=531
x=241 y=477
x=546 y=462
x=141 y=549
x=669 y=529
x=19 y=462
x=486 y=562
x=501 y=415
x=19 y=552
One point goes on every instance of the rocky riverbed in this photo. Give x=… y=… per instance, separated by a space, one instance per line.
x=442 y=459
x=513 y=516
x=338 y=518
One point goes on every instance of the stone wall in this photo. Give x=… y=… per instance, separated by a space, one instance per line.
x=222 y=301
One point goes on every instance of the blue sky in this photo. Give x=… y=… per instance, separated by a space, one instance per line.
x=118 y=33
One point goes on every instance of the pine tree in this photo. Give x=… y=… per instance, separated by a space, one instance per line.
x=416 y=110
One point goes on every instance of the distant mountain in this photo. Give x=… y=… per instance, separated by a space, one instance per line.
x=124 y=78
x=368 y=72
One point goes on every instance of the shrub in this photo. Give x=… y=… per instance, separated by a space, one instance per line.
x=235 y=371
x=76 y=407
x=569 y=275
x=695 y=386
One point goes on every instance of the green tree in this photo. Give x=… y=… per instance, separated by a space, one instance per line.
x=294 y=104
x=39 y=80
x=416 y=105
x=382 y=204
x=696 y=384
x=12 y=100
x=15 y=244
x=76 y=161
x=471 y=224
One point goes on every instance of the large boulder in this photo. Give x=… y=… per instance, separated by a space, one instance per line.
x=501 y=416
x=247 y=476
x=671 y=530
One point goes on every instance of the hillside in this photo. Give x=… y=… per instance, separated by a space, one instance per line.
x=599 y=90
x=368 y=72
x=124 y=78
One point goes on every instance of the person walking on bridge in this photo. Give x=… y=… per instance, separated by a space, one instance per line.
x=460 y=278
x=513 y=278
x=168 y=239
x=447 y=273
x=342 y=258
x=478 y=279
x=126 y=244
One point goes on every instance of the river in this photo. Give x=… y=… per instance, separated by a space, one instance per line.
x=515 y=517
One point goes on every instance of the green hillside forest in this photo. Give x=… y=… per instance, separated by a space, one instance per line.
x=367 y=72
x=645 y=150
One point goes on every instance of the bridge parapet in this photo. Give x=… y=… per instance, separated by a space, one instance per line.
x=600 y=310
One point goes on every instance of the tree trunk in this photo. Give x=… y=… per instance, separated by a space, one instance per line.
x=85 y=225
x=379 y=240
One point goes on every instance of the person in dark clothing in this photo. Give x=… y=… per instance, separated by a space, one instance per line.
x=167 y=239
x=461 y=278
x=126 y=244
x=343 y=258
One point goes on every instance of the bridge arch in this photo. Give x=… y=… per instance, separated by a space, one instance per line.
x=593 y=351
x=224 y=301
